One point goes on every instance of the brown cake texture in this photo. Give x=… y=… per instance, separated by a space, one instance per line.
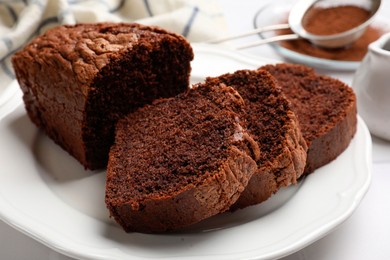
x=77 y=81
x=325 y=108
x=275 y=128
x=179 y=160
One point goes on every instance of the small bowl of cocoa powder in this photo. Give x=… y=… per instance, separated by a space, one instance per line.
x=303 y=51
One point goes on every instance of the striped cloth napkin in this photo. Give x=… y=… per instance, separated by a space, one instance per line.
x=22 y=20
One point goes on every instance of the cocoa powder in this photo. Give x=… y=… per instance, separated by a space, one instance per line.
x=333 y=20
x=353 y=52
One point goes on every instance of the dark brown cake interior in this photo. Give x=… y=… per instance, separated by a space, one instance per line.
x=179 y=160
x=170 y=145
x=318 y=101
x=325 y=108
x=265 y=112
x=137 y=77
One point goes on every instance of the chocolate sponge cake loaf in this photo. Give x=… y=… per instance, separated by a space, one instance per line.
x=325 y=107
x=179 y=160
x=276 y=130
x=78 y=80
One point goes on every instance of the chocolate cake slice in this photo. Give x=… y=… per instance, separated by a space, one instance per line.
x=276 y=130
x=179 y=160
x=325 y=108
x=78 y=80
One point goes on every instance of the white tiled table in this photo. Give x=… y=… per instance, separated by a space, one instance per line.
x=365 y=235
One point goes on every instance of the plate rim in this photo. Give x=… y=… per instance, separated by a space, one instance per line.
x=98 y=253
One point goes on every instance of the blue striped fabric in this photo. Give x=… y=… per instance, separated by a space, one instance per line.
x=46 y=22
x=187 y=27
x=7 y=42
x=6 y=69
x=118 y=7
x=12 y=12
x=147 y=7
x=39 y=3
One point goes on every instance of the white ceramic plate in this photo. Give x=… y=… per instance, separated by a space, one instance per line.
x=47 y=195
x=276 y=11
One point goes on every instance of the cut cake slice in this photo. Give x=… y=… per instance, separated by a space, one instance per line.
x=179 y=160
x=274 y=127
x=325 y=108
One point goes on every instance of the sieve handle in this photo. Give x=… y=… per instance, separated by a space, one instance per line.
x=269 y=40
x=252 y=32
